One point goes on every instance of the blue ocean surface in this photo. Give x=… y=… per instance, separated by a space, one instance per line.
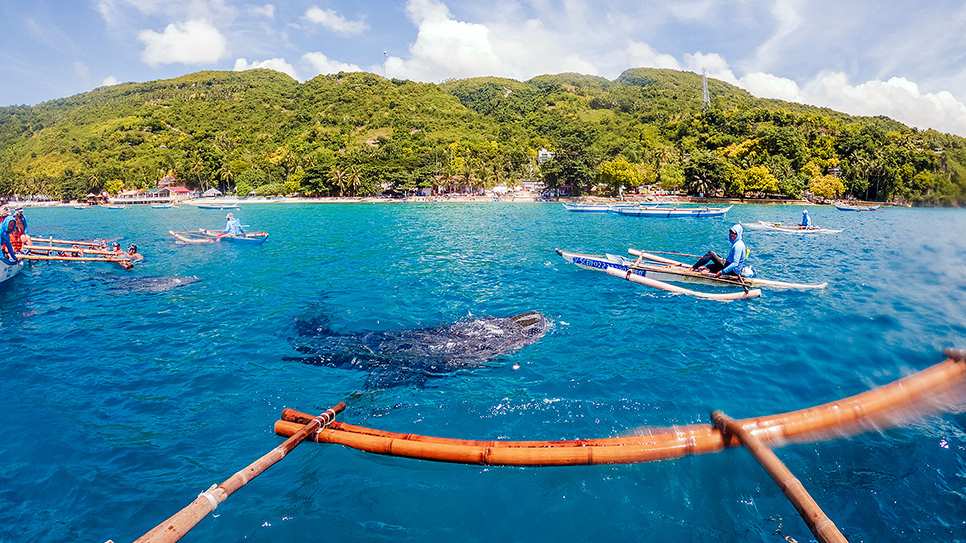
x=124 y=394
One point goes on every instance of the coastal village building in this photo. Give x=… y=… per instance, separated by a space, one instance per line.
x=163 y=195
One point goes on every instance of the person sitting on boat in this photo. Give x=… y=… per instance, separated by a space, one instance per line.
x=233 y=228
x=734 y=264
x=7 y=227
x=806 y=220
x=19 y=236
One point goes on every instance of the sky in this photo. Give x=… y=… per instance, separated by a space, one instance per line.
x=905 y=60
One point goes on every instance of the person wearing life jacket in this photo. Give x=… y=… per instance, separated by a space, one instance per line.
x=7 y=226
x=734 y=264
x=19 y=236
x=806 y=220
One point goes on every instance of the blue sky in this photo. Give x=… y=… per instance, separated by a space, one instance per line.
x=905 y=60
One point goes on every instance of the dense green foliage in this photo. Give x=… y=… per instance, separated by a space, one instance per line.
x=261 y=132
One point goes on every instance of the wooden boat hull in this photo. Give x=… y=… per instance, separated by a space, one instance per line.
x=251 y=238
x=786 y=228
x=649 y=445
x=663 y=270
x=675 y=212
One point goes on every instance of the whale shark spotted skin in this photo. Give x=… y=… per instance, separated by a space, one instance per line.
x=151 y=284
x=412 y=357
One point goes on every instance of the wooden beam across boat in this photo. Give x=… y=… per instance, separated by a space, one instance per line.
x=661 y=285
x=833 y=418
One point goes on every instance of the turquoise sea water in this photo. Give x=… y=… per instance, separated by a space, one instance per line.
x=121 y=399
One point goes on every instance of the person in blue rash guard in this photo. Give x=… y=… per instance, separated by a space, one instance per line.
x=734 y=264
x=806 y=220
x=233 y=228
x=8 y=225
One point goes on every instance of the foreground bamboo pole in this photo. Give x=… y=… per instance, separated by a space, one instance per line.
x=183 y=521
x=657 y=444
x=818 y=522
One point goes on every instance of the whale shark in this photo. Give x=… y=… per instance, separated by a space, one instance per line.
x=414 y=356
x=150 y=284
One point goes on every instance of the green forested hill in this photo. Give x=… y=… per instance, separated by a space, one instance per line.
x=357 y=133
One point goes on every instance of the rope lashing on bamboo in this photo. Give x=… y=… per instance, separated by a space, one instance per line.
x=818 y=522
x=183 y=521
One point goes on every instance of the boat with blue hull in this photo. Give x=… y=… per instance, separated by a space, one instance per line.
x=675 y=212
x=671 y=271
x=787 y=228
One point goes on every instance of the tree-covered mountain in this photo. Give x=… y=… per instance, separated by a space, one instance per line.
x=357 y=133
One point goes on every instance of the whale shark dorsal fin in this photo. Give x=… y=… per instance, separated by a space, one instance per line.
x=528 y=319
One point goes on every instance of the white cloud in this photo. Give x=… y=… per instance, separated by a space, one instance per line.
x=446 y=47
x=108 y=81
x=268 y=10
x=277 y=64
x=320 y=64
x=897 y=98
x=335 y=22
x=771 y=86
x=642 y=55
x=193 y=42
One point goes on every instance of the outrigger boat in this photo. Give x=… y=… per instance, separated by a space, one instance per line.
x=208 y=236
x=846 y=207
x=217 y=206
x=787 y=228
x=8 y=270
x=605 y=208
x=665 y=269
x=674 y=212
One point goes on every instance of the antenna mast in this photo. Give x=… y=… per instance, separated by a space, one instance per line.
x=705 y=97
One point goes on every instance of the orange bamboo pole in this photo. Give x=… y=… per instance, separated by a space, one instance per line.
x=65 y=241
x=663 y=444
x=50 y=249
x=818 y=522
x=123 y=262
x=183 y=521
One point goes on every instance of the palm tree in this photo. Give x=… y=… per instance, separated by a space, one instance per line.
x=339 y=179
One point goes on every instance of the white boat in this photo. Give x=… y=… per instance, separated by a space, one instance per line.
x=847 y=207
x=8 y=270
x=162 y=206
x=596 y=208
x=675 y=212
x=672 y=271
x=787 y=228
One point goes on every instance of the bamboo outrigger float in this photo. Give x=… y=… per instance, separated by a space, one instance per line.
x=871 y=409
x=658 y=444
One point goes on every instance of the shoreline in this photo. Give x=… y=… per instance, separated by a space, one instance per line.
x=649 y=199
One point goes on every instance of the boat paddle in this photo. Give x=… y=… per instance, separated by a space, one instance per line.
x=183 y=521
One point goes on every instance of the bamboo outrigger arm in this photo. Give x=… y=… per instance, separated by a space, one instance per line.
x=840 y=416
